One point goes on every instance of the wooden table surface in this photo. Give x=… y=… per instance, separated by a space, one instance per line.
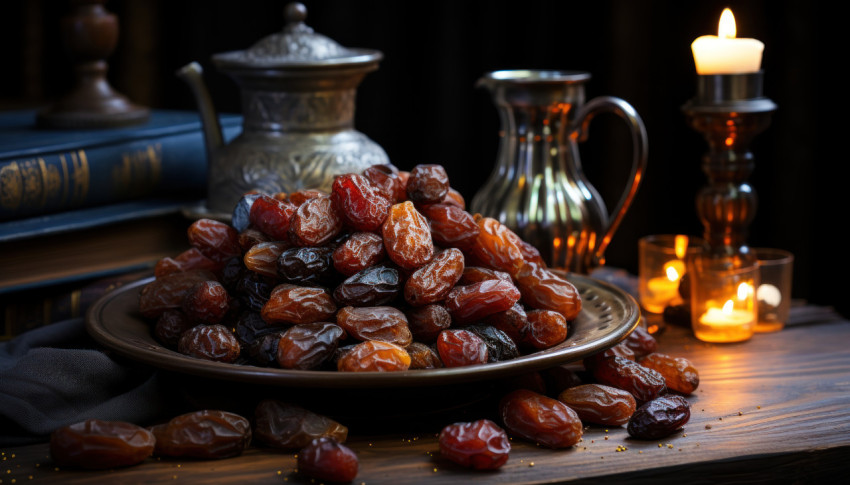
x=773 y=409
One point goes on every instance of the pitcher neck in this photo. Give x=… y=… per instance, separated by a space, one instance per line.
x=331 y=110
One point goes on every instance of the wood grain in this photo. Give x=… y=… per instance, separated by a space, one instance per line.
x=774 y=409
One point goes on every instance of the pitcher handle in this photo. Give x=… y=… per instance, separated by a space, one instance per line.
x=611 y=104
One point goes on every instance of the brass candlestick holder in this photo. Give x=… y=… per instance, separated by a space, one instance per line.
x=729 y=110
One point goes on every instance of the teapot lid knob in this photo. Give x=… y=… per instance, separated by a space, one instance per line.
x=294 y=12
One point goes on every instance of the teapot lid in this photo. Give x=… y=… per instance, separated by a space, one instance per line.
x=296 y=46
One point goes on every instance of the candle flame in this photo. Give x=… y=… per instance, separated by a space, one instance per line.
x=727 y=307
x=681 y=245
x=672 y=274
x=744 y=291
x=726 y=28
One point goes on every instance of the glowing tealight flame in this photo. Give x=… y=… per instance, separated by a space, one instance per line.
x=728 y=307
x=744 y=291
x=672 y=274
x=681 y=245
x=726 y=28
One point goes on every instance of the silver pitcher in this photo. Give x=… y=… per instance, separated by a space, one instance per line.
x=537 y=187
x=298 y=93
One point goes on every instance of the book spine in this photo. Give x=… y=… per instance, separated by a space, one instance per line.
x=53 y=182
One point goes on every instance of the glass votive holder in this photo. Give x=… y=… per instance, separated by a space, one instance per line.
x=661 y=265
x=774 y=290
x=723 y=301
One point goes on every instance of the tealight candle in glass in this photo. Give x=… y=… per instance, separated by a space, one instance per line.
x=723 y=300
x=661 y=267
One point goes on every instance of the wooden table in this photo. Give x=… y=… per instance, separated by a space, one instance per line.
x=774 y=409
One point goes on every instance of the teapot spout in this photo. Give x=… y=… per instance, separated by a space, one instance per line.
x=192 y=73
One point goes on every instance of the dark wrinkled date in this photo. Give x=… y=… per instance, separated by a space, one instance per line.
x=659 y=418
x=207 y=434
x=96 y=444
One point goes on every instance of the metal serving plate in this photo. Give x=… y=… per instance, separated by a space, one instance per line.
x=608 y=315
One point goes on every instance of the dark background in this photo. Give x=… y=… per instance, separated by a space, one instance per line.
x=422 y=106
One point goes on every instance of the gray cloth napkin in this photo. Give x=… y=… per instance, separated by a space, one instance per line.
x=55 y=375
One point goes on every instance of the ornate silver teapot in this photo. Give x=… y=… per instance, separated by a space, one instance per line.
x=298 y=93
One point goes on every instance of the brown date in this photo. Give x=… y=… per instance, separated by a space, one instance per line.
x=291 y=304
x=384 y=323
x=272 y=216
x=300 y=196
x=619 y=350
x=251 y=236
x=358 y=252
x=641 y=342
x=189 y=259
x=407 y=236
x=308 y=345
x=306 y=265
x=458 y=348
x=481 y=445
x=387 y=181
x=286 y=426
x=423 y=356
x=207 y=434
x=170 y=326
x=167 y=292
x=546 y=328
x=477 y=274
x=659 y=417
x=496 y=247
x=216 y=240
x=541 y=419
x=499 y=344
x=451 y=226
x=433 y=281
x=453 y=197
x=374 y=355
x=262 y=257
x=315 y=222
x=206 y=302
x=642 y=382
x=473 y=302
x=599 y=404
x=375 y=285
x=326 y=459
x=426 y=322
x=679 y=374
x=427 y=184
x=210 y=342
x=513 y=321
x=96 y=444
x=360 y=203
x=543 y=290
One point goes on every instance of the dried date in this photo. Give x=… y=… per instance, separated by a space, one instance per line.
x=426 y=322
x=216 y=240
x=360 y=203
x=287 y=426
x=308 y=265
x=207 y=434
x=207 y=302
x=659 y=417
x=541 y=419
x=679 y=374
x=262 y=258
x=373 y=286
x=459 y=347
x=272 y=216
x=189 y=259
x=496 y=247
x=499 y=345
x=451 y=226
x=170 y=326
x=546 y=328
x=641 y=342
x=599 y=404
x=407 y=236
x=481 y=444
x=374 y=355
x=543 y=290
x=291 y=304
x=384 y=323
x=168 y=292
x=327 y=459
x=308 y=345
x=210 y=342
x=473 y=302
x=360 y=251
x=96 y=444
x=315 y=222
x=433 y=281
x=427 y=184
x=423 y=356
x=642 y=382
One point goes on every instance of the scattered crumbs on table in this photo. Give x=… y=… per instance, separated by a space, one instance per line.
x=279 y=472
x=740 y=413
x=684 y=435
x=720 y=419
x=669 y=446
x=606 y=438
x=435 y=470
x=707 y=426
x=660 y=445
x=621 y=448
x=640 y=452
x=758 y=407
x=531 y=464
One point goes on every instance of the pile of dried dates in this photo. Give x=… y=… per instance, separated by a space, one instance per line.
x=387 y=272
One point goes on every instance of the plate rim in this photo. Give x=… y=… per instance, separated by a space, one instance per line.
x=152 y=354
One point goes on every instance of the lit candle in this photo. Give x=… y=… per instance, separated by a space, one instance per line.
x=724 y=53
x=728 y=316
x=664 y=289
